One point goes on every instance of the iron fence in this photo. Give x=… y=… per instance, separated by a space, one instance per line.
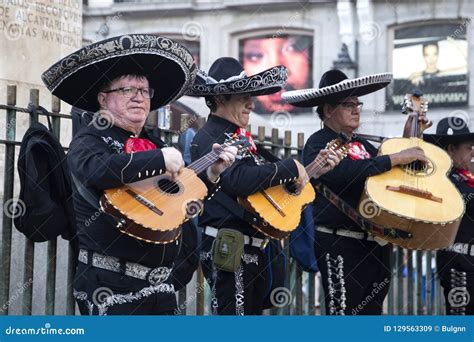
x=37 y=278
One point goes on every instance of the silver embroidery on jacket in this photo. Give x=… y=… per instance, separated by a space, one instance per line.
x=336 y=285
x=239 y=291
x=113 y=144
x=239 y=282
x=115 y=299
x=458 y=295
x=250 y=258
x=214 y=303
x=205 y=256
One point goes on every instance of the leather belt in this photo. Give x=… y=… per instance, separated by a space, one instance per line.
x=346 y=233
x=154 y=276
x=461 y=248
x=255 y=242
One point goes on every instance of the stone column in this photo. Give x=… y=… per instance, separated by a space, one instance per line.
x=34 y=34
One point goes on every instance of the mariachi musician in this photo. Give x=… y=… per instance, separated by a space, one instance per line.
x=350 y=260
x=122 y=79
x=456 y=263
x=244 y=288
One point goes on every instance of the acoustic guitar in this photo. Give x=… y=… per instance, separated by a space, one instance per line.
x=418 y=197
x=280 y=206
x=154 y=209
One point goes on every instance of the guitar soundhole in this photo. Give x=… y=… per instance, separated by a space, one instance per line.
x=168 y=186
x=290 y=188
x=418 y=168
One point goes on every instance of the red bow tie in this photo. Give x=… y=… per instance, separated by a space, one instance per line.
x=244 y=132
x=138 y=144
x=467 y=176
x=357 y=151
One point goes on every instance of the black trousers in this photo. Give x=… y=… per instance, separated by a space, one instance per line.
x=456 y=273
x=237 y=293
x=102 y=292
x=355 y=274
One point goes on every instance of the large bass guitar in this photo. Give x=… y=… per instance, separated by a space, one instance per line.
x=154 y=209
x=418 y=197
x=280 y=206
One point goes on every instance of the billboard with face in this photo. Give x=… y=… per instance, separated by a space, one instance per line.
x=263 y=52
x=432 y=58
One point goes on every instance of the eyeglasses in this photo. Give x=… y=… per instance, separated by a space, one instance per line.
x=352 y=105
x=130 y=92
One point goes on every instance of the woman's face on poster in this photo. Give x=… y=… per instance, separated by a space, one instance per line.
x=263 y=53
x=430 y=54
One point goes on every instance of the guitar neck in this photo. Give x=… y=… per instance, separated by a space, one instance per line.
x=415 y=130
x=204 y=162
x=414 y=105
x=210 y=158
x=313 y=167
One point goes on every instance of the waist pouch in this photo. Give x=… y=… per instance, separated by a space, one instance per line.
x=227 y=249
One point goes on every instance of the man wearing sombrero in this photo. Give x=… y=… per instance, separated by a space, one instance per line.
x=352 y=264
x=456 y=263
x=244 y=290
x=122 y=79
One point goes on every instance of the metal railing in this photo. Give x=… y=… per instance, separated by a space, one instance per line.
x=414 y=289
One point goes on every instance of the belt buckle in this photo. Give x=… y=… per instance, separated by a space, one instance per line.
x=380 y=241
x=158 y=275
x=264 y=243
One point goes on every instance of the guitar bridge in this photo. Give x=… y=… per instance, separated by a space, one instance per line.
x=273 y=202
x=139 y=198
x=409 y=190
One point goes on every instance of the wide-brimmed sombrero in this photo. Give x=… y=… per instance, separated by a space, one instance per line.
x=168 y=66
x=451 y=130
x=227 y=76
x=335 y=86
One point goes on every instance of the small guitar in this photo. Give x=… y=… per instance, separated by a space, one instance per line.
x=154 y=209
x=280 y=206
x=417 y=198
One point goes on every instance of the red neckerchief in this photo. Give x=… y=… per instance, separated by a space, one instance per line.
x=244 y=132
x=138 y=144
x=357 y=151
x=466 y=176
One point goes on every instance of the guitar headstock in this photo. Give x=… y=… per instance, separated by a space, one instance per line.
x=339 y=144
x=414 y=104
x=238 y=140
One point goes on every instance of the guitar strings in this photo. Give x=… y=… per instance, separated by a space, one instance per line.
x=315 y=166
x=173 y=186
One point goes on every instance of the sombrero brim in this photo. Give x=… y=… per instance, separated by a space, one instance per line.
x=330 y=94
x=266 y=82
x=77 y=78
x=444 y=140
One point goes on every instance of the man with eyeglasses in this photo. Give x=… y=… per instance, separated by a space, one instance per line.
x=355 y=269
x=258 y=271
x=121 y=79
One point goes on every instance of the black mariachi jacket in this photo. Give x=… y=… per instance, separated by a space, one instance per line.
x=447 y=259
x=244 y=178
x=97 y=160
x=465 y=233
x=347 y=179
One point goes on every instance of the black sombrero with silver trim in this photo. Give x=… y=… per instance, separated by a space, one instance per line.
x=168 y=66
x=335 y=86
x=451 y=130
x=227 y=76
